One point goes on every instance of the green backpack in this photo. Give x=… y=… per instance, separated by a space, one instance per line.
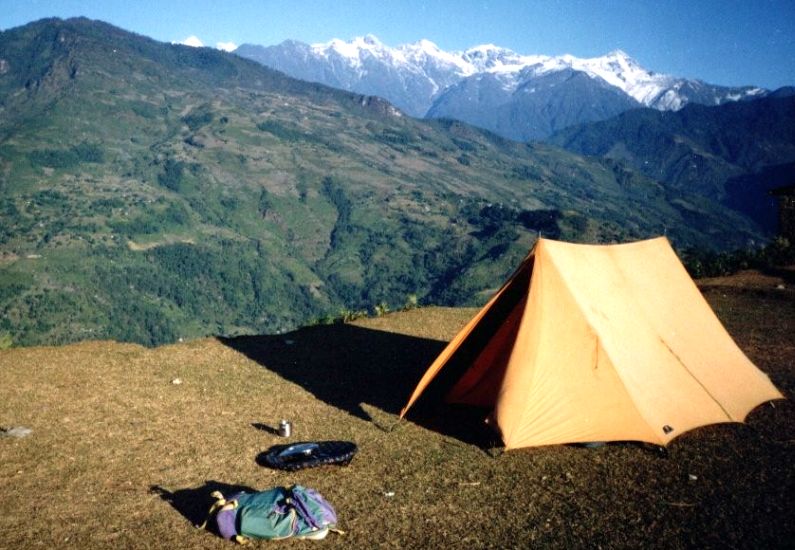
x=277 y=513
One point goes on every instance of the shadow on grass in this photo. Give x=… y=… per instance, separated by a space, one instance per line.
x=194 y=504
x=349 y=367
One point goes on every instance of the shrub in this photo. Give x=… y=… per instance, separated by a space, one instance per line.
x=202 y=116
x=171 y=176
x=411 y=302
x=6 y=341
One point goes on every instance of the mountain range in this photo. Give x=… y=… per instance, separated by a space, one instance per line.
x=517 y=96
x=151 y=192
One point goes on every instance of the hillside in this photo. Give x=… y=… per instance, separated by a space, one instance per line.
x=734 y=153
x=127 y=457
x=151 y=192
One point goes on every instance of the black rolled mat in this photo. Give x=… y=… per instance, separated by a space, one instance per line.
x=308 y=454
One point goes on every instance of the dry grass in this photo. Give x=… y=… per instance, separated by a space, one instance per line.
x=122 y=457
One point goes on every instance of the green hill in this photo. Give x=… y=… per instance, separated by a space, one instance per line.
x=733 y=153
x=151 y=192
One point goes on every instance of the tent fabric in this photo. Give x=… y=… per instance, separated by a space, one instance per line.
x=599 y=343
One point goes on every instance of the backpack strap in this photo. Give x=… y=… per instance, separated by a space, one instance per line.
x=219 y=503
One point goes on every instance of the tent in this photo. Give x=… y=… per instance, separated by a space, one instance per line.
x=589 y=343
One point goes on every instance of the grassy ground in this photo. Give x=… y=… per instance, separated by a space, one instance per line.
x=122 y=456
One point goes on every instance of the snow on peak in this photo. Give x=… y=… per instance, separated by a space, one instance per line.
x=426 y=54
x=351 y=49
x=616 y=68
x=355 y=50
x=345 y=49
x=442 y=68
x=371 y=40
x=415 y=58
x=427 y=45
x=192 y=41
x=226 y=46
x=488 y=57
x=485 y=50
x=422 y=50
x=195 y=42
x=620 y=54
x=622 y=71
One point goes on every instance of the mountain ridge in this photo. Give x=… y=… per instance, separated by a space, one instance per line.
x=425 y=81
x=734 y=153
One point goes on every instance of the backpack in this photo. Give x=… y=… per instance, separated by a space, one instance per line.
x=278 y=513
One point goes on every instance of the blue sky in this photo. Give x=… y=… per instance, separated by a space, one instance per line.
x=723 y=42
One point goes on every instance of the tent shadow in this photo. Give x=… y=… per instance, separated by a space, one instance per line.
x=194 y=503
x=345 y=365
x=353 y=368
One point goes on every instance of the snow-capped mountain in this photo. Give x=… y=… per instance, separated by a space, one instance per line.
x=660 y=91
x=518 y=96
x=410 y=76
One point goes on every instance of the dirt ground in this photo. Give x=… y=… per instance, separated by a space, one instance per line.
x=126 y=444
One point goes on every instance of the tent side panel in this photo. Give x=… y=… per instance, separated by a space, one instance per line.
x=688 y=327
x=560 y=386
x=664 y=393
x=643 y=305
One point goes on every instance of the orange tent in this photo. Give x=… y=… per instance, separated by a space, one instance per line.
x=599 y=343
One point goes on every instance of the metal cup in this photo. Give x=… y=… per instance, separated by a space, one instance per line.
x=285 y=428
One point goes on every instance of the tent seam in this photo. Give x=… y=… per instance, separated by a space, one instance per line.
x=693 y=376
x=635 y=297
x=665 y=342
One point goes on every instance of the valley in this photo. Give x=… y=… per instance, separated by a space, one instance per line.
x=151 y=192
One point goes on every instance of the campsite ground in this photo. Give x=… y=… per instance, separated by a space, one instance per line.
x=122 y=455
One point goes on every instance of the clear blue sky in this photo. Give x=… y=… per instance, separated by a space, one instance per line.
x=730 y=42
